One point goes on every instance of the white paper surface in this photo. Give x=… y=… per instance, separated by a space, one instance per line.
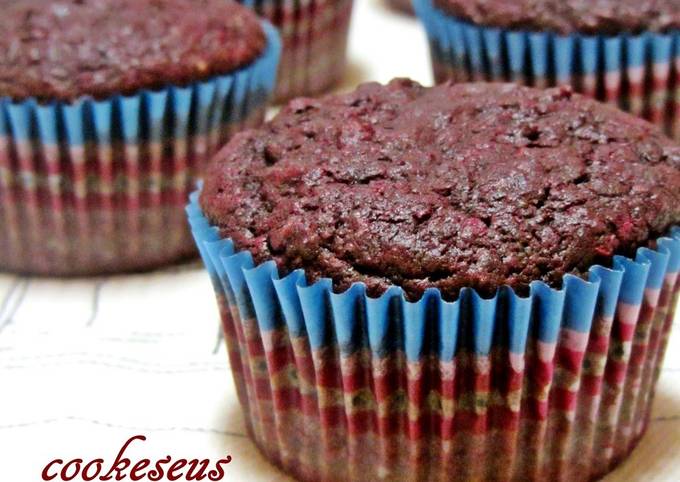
x=86 y=364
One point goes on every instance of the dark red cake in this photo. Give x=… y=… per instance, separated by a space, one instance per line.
x=467 y=185
x=108 y=111
x=567 y=16
x=60 y=50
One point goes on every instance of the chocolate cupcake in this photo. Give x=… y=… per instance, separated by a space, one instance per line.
x=108 y=110
x=619 y=51
x=314 y=38
x=469 y=282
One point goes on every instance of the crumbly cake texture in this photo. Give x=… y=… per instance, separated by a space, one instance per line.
x=458 y=185
x=60 y=50
x=568 y=16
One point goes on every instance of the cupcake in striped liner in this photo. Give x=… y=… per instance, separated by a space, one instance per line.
x=466 y=282
x=403 y=6
x=625 y=52
x=314 y=38
x=108 y=111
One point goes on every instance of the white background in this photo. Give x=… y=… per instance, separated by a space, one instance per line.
x=85 y=364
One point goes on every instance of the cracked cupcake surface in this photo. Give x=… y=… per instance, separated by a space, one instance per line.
x=60 y=50
x=459 y=185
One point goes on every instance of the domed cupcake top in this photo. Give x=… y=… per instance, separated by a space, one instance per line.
x=60 y=50
x=567 y=16
x=459 y=185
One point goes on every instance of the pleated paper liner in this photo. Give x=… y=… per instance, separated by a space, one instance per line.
x=402 y=6
x=638 y=73
x=314 y=37
x=99 y=186
x=341 y=386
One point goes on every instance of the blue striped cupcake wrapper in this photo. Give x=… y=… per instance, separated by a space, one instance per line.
x=118 y=153
x=314 y=38
x=270 y=307
x=635 y=72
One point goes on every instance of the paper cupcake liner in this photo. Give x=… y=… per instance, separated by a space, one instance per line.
x=403 y=6
x=98 y=186
x=341 y=386
x=314 y=38
x=638 y=73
